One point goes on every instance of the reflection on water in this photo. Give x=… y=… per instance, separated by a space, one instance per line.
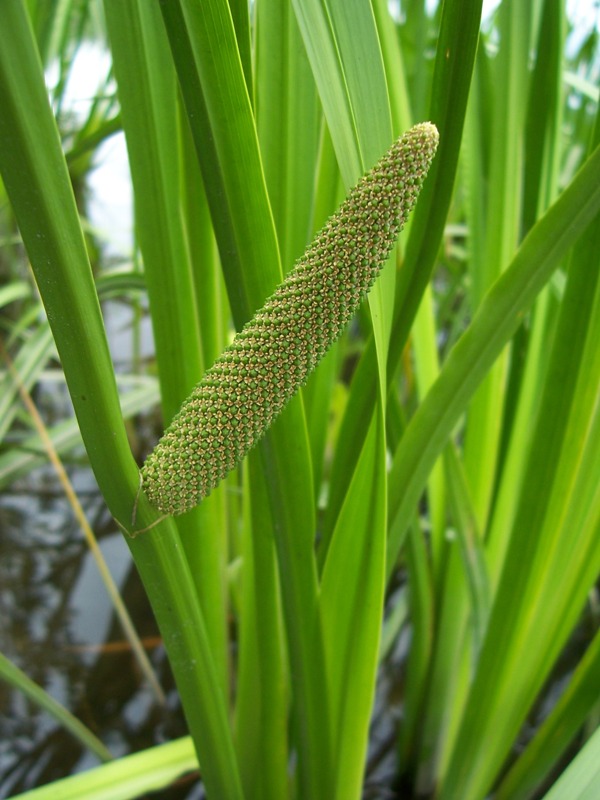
x=59 y=628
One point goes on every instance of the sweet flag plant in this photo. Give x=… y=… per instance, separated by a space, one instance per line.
x=271 y=358
x=398 y=584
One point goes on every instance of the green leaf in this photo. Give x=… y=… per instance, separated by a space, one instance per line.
x=288 y=123
x=209 y=68
x=343 y=48
x=483 y=430
x=581 y=779
x=147 y=92
x=125 y=779
x=557 y=731
x=261 y=723
x=351 y=604
x=146 y=87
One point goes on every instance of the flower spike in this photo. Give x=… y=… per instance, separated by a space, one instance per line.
x=238 y=398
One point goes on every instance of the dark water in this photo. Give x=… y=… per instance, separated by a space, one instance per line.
x=58 y=626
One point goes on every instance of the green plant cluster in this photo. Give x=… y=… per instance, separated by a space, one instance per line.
x=415 y=545
x=271 y=358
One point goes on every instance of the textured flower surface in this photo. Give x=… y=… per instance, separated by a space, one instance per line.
x=273 y=355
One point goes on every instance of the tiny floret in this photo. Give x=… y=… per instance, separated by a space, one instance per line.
x=238 y=398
